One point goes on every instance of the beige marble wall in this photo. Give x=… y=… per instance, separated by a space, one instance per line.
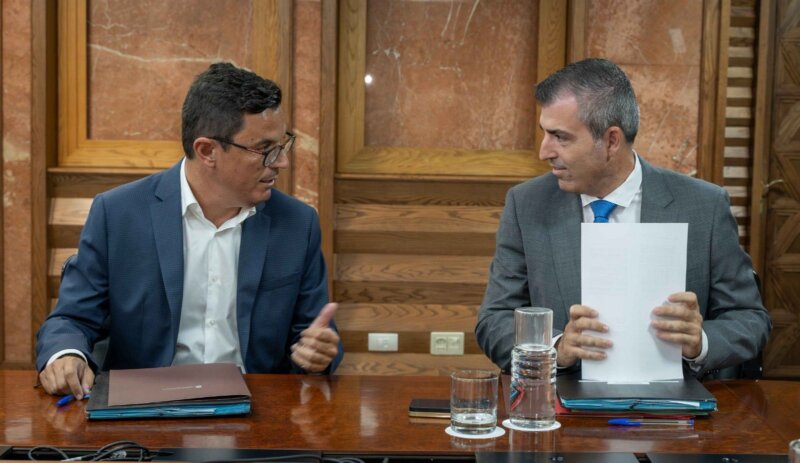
x=16 y=113
x=144 y=54
x=306 y=60
x=657 y=42
x=455 y=74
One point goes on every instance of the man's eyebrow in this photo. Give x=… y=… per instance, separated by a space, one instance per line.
x=265 y=142
x=558 y=132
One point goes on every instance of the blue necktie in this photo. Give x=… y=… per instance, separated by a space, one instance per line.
x=602 y=209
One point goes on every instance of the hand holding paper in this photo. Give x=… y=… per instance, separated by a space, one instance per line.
x=573 y=343
x=681 y=323
x=318 y=343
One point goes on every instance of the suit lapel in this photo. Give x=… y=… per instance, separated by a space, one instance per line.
x=165 y=214
x=565 y=239
x=252 y=260
x=657 y=199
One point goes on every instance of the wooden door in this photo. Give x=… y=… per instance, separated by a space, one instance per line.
x=414 y=212
x=782 y=282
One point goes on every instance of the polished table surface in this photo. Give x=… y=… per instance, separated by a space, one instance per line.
x=369 y=414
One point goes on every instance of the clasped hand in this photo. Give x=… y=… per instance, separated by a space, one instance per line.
x=678 y=322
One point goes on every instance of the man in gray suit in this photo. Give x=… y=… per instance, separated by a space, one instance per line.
x=590 y=118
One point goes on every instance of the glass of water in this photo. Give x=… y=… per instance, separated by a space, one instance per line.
x=473 y=401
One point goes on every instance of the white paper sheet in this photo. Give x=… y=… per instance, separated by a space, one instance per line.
x=628 y=269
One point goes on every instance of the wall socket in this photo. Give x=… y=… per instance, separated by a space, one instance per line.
x=382 y=342
x=447 y=343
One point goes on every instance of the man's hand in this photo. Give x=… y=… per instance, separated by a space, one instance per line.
x=318 y=343
x=681 y=323
x=574 y=345
x=67 y=375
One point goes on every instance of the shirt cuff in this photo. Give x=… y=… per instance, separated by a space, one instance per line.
x=696 y=363
x=553 y=345
x=64 y=352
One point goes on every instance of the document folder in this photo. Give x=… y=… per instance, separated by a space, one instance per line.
x=679 y=396
x=169 y=392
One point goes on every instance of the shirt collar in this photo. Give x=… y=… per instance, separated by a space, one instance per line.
x=625 y=193
x=189 y=202
x=187 y=197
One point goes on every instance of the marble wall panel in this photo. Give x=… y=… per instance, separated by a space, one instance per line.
x=658 y=43
x=668 y=100
x=144 y=54
x=305 y=114
x=455 y=74
x=16 y=165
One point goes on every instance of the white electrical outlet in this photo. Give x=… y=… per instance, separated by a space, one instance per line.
x=382 y=342
x=447 y=343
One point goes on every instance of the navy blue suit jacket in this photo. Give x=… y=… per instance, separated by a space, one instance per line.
x=127 y=280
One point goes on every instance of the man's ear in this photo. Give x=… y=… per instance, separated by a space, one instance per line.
x=205 y=150
x=613 y=140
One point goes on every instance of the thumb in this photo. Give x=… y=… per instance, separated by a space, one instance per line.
x=325 y=316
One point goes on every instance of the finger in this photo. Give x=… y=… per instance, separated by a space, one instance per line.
x=686 y=297
x=673 y=310
x=47 y=380
x=680 y=312
x=583 y=340
x=72 y=377
x=325 y=316
x=301 y=358
x=675 y=337
x=590 y=324
x=88 y=381
x=577 y=311
x=328 y=346
x=311 y=359
x=587 y=354
x=577 y=352
x=321 y=334
x=676 y=326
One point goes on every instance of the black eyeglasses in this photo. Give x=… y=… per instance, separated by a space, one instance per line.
x=270 y=154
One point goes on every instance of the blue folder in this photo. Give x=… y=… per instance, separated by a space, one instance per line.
x=680 y=396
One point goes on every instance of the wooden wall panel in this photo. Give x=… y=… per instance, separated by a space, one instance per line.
x=782 y=230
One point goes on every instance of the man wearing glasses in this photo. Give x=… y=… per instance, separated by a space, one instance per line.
x=201 y=263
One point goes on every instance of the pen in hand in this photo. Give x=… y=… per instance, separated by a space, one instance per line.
x=645 y=422
x=69 y=398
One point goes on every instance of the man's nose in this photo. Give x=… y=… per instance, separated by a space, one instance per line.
x=281 y=162
x=546 y=150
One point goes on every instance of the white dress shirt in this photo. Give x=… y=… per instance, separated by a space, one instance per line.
x=208 y=330
x=628 y=198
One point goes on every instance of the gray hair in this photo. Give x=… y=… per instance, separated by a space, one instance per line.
x=604 y=94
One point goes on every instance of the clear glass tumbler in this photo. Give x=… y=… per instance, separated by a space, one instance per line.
x=473 y=401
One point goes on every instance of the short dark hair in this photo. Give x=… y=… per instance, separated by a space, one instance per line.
x=604 y=94
x=218 y=99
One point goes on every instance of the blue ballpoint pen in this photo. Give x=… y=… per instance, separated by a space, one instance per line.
x=643 y=422
x=69 y=398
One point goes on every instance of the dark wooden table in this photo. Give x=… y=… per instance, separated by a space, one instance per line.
x=368 y=414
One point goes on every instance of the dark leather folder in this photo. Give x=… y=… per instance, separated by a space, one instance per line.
x=178 y=391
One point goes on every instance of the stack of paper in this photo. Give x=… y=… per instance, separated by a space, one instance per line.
x=177 y=391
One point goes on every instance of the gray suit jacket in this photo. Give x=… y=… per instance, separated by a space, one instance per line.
x=537 y=263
